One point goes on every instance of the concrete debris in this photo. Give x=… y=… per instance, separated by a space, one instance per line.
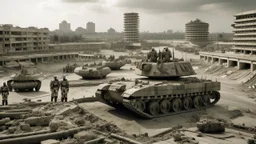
x=25 y=127
x=2 y=128
x=68 y=110
x=39 y=121
x=79 y=121
x=54 y=125
x=210 y=126
x=11 y=130
x=4 y=121
x=50 y=141
x=84 y=136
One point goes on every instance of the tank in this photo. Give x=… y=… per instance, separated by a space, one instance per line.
x=114 y=64
x=26 y=80
x=177 y=93
x=92 y=73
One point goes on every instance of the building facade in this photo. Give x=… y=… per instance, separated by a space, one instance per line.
x=197 y=32
x=245 y=32
x=65 y=27
x=16 y=39
x=131 y=27
x=90 y=27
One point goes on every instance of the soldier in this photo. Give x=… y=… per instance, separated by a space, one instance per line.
x=160 y=56
x=64 y=85
x=5 y=92
x=152 y=55
x=167 y=55
x=55 y=84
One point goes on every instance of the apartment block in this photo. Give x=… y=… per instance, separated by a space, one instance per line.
x=245 y=32
x=16 y=39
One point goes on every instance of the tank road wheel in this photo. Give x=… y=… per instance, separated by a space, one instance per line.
x=214 y=97
x=140 y=105
x=165 y=106
x=176 y=105
x=37 y=88
x=187 y=103
x=206 y=100
x=154 y=108
x=197 y=101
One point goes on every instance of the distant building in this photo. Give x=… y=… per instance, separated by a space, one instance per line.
x=80 y=30
x=197 y=32
x=111 y=31
x=131 y=30
x=245 y=32
x=16 y=39
x=169 y=31
x=65 y=27
x=90 y=27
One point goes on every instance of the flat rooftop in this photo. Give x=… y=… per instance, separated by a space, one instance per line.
x=69 y=44
x=245 y=13
x=230 y=55
x=21 y=57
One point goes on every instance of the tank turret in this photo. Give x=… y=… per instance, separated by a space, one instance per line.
x=114 y=64
x=92 y=73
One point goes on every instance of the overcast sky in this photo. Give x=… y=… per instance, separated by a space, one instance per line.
x=155 y=15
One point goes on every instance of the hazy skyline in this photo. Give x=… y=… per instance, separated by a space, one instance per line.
x=155 y=15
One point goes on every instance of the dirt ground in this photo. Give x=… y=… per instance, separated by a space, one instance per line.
x=237 y=103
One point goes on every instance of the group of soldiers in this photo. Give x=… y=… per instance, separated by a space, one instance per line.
x=55 y=85
x=164 y=56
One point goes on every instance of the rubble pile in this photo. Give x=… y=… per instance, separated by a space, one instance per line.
x=56 y=123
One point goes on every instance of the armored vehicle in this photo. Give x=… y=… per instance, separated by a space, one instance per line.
x=92 y=73
x=176 y=94
x=114 y=64
x=26 y=80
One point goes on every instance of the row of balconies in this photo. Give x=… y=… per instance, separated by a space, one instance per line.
x=242 y=39
x=245 y=19
x=245 y=34
x=245 y=29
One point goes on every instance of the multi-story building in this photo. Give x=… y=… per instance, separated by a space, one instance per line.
x=197 y=32
x=131 y=30
x=131 y=27
x=90 y=27
x=16 y=39
x=245 y=32
x=65 y=27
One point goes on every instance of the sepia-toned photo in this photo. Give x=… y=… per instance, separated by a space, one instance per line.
x=128 y=72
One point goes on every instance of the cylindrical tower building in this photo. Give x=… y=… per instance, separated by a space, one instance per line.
x=131 y=27
x=197 y=32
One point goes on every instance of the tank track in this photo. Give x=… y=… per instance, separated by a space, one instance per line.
x=129 y=104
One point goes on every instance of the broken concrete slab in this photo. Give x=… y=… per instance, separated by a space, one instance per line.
x=39 y=121
x=4 y=121
x=25 y=127
x=11 y=130
x=84 y=136
x=50 y=141
x=68 y=110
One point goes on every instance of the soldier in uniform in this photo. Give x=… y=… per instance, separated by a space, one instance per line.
x=64 y=86
x=167 y=55
x=152 y=55
x=54 y=85
x=5 y=92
